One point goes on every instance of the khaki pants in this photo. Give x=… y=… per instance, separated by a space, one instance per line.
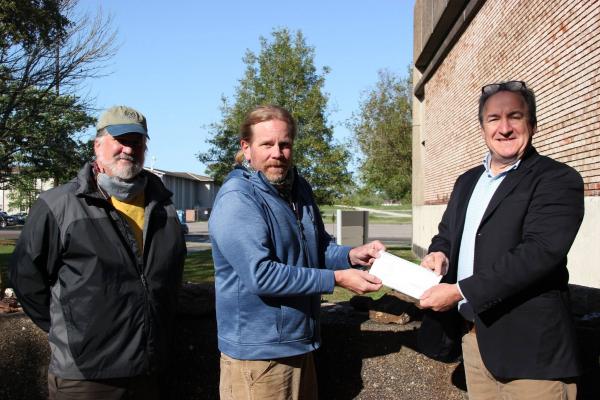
x=289 y=378
x=481 y=385
x=134 y=388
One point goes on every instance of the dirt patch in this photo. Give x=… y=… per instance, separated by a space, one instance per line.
x=361 y=358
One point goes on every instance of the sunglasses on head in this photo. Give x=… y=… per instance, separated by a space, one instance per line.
x=511 y=86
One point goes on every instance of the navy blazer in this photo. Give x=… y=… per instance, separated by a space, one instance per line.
x=518 y=289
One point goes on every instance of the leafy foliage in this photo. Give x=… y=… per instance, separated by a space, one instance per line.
x=23 y=192
x=49 y=148
x=31 y=22
x=43 y=52
x=383 y=131
x=283 y=73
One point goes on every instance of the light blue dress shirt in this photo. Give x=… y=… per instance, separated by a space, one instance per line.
x=482 y=194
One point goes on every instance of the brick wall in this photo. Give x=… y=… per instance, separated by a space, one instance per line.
x=554 y=46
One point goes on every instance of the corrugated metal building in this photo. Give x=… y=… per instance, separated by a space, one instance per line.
x=190 y=191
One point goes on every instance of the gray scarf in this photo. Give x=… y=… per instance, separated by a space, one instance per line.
x=120 y=189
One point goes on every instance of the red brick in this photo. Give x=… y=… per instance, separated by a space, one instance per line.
x=555 y=48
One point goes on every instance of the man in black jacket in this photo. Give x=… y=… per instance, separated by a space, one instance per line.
x=98 y=266
x=502 y=245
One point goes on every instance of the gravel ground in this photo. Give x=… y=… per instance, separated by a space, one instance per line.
x=373 y=361
x=24 y=356
x=360 y=357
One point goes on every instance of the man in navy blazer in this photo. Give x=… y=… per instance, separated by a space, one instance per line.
x=502 y=245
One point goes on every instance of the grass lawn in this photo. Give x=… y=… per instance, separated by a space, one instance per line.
x=329 y=212
x=400 y=207
x=198 y=266
x=199 y=269
x=386 y=219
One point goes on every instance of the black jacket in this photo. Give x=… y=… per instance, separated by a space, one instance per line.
x=78 y=275
x=518 y=289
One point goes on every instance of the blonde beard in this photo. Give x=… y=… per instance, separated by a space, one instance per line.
x=276 y=179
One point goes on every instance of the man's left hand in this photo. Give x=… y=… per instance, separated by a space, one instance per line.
x=366 y=254
x=441 y=297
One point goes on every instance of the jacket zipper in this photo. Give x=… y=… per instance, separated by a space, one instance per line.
x=301 y=232
x=303 y=246
x=139 y=262
x=147 y=322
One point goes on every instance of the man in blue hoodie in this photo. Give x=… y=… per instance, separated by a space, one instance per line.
x=273 y=260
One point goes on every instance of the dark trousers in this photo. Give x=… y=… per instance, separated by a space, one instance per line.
x=133 y=388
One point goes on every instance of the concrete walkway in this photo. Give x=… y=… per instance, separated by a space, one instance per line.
x=383 y=212
x=197 y=239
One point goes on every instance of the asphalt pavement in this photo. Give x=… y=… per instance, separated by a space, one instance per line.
x=198 y=238
x=11 y=232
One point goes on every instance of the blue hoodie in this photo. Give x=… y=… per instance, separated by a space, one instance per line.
x=271 y=266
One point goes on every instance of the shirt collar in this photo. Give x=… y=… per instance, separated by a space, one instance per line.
x=487 y=165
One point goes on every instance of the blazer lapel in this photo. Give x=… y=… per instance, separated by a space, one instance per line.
x=465 y=196
x=463 y=200
x=510 y=182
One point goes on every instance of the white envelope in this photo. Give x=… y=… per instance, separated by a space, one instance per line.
x=403 y=276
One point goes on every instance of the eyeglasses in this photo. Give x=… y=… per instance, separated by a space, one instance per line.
x=511 y=86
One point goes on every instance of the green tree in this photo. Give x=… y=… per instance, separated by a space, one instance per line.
x=53 y=148
x=283 y=73
x=45 y=52
x=383 y=131
x=23 y=192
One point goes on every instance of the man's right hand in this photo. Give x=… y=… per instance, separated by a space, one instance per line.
x=358 y=281
x=436 y=261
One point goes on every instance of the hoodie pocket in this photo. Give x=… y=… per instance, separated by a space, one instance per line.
x=297 y=319
x=260 y=320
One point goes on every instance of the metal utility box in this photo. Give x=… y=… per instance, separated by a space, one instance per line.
x=352 y=227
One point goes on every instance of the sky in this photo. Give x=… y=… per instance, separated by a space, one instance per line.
x=176 y=60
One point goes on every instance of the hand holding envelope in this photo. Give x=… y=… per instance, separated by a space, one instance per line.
x=404 y=276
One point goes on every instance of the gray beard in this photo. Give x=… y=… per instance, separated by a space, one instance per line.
x=124 y=173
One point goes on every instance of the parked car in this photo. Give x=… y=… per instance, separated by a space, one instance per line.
x=6 y=220
x=20 y=218
x=185 y=228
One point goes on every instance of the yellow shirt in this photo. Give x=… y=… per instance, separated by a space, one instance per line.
x=133 y=212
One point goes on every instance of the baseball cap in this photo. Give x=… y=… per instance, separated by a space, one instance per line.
x=121 y=120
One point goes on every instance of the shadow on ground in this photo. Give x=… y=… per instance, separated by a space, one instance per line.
x=359 y=359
